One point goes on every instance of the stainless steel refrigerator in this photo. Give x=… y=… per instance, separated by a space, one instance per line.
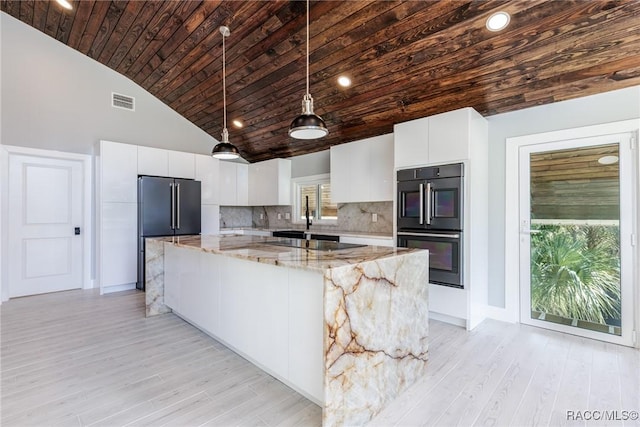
x=166 y=207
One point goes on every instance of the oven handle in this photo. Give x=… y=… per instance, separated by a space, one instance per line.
x=421 y=203
x=450 y=236
x=429 y=204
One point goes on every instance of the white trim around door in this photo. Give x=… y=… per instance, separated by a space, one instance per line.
x=512 y=226
x=6 y=151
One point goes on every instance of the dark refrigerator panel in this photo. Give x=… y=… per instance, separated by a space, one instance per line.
x=188 y=212
x=166 y=207
x=155 y=214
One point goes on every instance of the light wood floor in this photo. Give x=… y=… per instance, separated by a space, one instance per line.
x=75 y=358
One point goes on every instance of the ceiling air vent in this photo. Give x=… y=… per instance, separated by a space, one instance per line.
x=123 y=101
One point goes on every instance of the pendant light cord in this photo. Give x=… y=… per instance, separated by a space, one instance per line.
x=224 y=83
x=308 y=48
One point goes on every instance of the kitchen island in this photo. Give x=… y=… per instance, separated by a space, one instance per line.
x=347 y=327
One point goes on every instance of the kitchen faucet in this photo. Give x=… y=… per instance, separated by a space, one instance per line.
x=306 y=212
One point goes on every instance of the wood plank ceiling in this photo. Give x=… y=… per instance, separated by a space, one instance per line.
x=407 y=59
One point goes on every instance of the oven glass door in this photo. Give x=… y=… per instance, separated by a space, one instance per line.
x=411 y=201
x=445 y=255
x=444 y=204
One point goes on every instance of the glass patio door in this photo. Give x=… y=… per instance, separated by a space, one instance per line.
x=575 y=223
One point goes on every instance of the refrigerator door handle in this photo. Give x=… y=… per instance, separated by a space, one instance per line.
x=177 y=204
x=173 y=206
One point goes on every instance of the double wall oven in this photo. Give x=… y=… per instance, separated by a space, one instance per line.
x=430 y=216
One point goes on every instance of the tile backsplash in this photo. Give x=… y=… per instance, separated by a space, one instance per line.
x=356 y=217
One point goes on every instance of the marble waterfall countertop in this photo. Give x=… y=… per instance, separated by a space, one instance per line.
x=259 y=249
x=374 y=311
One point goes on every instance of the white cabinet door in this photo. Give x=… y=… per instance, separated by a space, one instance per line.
x=208 y=293
x=209 y=219
x=411 y=143
x=242 y=184
x=340 y=173
x=359 y=170
x=306 y=323
x=118 y=245
x=254 y=316
x=380 y=168
x=270 y=183
x=362 y=171
x=257 y=184
x=153 y=161
x=228 y=180
x=181 y=165
x=449 y=136
x=119 y=172
x=208 y=173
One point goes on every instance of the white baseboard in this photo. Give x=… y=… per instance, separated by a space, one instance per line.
x=117 y=288
x=499 y=313
x=448 y=319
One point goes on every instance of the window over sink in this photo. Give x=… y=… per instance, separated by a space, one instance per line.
x=318 y=189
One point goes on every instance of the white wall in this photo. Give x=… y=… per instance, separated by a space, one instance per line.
x=56 y=98
x=607 y=107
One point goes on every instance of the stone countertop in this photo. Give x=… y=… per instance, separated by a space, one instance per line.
x=363 y=234
x=257 y=248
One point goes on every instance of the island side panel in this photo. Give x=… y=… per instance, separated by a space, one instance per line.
x=154 y=278
x=376 y=335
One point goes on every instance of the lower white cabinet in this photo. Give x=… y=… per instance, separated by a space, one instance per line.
x=271 y=315
x=118 y=246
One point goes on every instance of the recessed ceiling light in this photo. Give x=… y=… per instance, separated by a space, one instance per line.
x=608 y=160
x=65 y=4
x=344 y=81
x=498 y=21
x=237 y=123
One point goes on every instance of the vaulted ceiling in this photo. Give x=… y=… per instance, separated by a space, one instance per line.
x=407 y=59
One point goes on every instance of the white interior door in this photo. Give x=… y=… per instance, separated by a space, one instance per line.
x=576 y=234
x=45 y=208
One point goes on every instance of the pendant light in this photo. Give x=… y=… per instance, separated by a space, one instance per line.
x=225 y=150
x=308 y=125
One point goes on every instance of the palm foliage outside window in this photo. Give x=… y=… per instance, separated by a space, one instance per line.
x=575 y=272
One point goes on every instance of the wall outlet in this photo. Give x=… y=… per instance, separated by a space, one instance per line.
x=261 y=216
x=287 y=215
x=374 y=217
x=279 y=216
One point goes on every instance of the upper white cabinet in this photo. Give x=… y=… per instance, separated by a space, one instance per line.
x=362 y=171
x=159 y=162
x=234 y=184
x=208 y=173
x=449 y=135
x=153 y=161
x=443 y=138
x=118 y=172
x=181 y=165
x=270 y=183
x=411 y=143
